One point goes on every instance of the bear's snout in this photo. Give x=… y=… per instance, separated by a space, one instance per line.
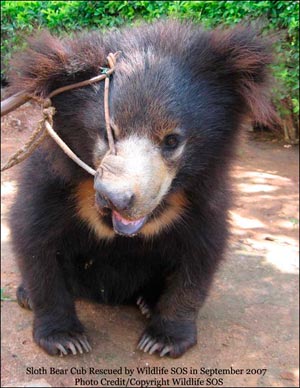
x=131 y=184
x=106 y=196
x=134 y=181
x=121 y=203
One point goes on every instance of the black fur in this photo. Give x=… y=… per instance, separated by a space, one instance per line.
x=208 y=83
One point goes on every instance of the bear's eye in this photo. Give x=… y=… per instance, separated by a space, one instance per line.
x=171 y=142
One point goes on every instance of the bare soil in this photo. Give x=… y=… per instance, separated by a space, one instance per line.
x=249 y=323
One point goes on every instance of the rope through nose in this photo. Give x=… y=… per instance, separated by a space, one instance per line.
x=111 y=63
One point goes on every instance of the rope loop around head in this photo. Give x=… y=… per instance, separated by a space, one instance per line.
x=46 y=124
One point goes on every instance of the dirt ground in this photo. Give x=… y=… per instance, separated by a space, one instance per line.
x=248 y=328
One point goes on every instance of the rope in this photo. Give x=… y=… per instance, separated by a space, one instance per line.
x=34 y=141
x=67 y=150
x=45 y=126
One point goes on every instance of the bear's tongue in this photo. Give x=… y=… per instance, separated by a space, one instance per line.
x=126 y=227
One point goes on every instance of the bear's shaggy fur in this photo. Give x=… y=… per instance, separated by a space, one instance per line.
x=153 y=228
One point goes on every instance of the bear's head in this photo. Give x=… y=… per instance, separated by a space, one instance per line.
x=177 y=98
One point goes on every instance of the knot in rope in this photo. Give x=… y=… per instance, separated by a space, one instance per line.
x=45 y=126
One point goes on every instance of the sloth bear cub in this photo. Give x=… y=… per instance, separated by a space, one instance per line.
x=151 y=228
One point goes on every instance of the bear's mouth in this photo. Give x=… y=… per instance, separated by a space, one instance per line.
x=127 y=227
x=122 y=225
x=116 y=221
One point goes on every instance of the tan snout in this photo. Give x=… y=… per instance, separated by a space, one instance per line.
x=134 y=181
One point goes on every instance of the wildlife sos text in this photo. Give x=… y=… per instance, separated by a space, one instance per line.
x=148 y=376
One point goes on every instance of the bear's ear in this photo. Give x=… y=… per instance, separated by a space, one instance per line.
x=240 y=58
x=50 y=62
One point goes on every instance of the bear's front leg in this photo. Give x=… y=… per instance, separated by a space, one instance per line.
x=56 y=328
x=172 y=328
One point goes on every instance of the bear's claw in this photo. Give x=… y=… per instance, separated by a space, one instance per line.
x=143 y=306
x=151 y=345
x=63 y=344
x=171 y=338
x=23 y=298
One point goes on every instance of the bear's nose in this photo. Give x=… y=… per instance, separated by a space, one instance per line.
x=120 y=200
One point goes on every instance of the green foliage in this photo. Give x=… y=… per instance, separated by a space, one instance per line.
x=4 y=297
x=20 y=18
x=294 y=221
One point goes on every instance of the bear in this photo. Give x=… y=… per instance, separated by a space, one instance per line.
x=151 y=226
